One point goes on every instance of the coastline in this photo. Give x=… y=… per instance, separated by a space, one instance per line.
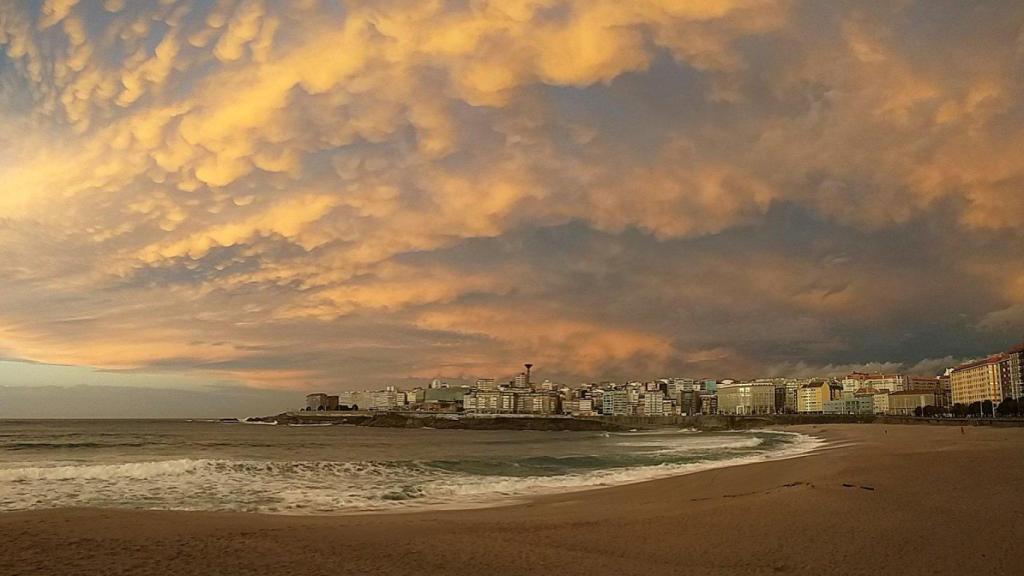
x=703 y=422
x=872 y=502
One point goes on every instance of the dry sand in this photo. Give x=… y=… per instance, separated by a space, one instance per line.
x=919 y=500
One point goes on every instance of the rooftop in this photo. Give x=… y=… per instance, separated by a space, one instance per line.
x=994 y=359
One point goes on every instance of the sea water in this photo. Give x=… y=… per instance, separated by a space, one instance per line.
x=192 y=465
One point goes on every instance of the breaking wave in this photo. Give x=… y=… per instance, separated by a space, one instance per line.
x=326 y=487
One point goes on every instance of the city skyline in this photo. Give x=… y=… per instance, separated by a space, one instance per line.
x=194 y=197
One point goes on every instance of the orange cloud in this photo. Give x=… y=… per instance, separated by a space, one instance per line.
x=288 y=165
x=546 y=338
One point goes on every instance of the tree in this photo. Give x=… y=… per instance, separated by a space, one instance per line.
x=987 y=408
x=959 y=410
x=918 y=412
x=1008 y=407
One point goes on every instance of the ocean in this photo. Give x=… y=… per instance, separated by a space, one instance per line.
x=204 y=465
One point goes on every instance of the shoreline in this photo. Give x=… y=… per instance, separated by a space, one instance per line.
x=702 y=422
x=790 y=444
x=875 y=499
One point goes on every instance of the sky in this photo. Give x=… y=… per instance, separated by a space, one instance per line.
x=249 y=197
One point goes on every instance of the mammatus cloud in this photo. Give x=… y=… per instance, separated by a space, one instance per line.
x=301 y=193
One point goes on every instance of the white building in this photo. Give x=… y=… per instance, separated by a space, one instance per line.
x=386 y=399
x=536 y=403
x=616 y=403
x=489 y=402
x=578 y=406
x=655 y=404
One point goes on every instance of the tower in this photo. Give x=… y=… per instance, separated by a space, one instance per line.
x=528 y=368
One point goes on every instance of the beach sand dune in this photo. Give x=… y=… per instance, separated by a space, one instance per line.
x=902 y=500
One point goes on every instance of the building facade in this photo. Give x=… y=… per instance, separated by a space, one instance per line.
x=747 y=398
x=708 y=403
x=578 y=407
x=813 y=396
x=881 y=402
x=849 y=404
x=616 y=403
x=905 y=403
x=654 y=403
x=1012 y=372
x=979 y=381
x=537 y=403
x=317 y=402
x=386 y=399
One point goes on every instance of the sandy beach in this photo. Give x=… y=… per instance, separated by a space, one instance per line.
x=878 y=500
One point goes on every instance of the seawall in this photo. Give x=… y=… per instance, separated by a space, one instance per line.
x=444 y=421
x=612 y=423
x=727 y=422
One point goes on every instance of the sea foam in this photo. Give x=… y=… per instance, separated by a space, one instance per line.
x=329 y=487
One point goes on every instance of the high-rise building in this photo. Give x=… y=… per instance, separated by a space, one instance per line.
x=489 y=402
x=487 y=384
x=793 y=386
x=654 y=403
x=1012 y=368
x=812 y=396
x=708 y=403
x=537 y=403
x=689 y=402
x=616 y=403
x=980 y=381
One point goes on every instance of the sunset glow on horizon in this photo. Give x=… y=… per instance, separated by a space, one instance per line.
x=344 y=194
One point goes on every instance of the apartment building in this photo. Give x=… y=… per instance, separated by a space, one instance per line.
x=746 y=398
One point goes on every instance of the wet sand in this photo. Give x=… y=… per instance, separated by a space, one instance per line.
x=902 y=500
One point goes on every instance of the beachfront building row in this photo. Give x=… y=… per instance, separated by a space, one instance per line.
x=777 y=396
x=639 y=399
x=992 y=379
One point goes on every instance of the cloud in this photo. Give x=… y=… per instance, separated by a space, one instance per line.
x=53 y=11
x=652 y=186
x=924 y=367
